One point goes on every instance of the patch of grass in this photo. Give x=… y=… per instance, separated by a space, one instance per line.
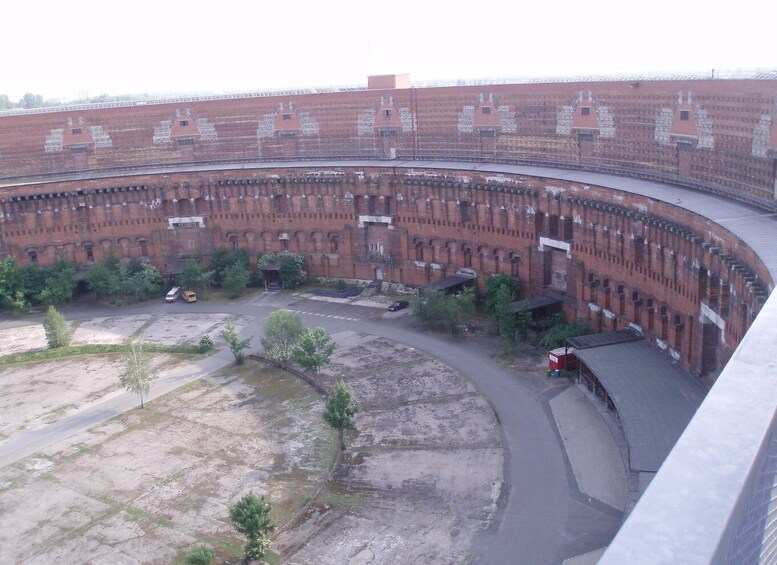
x=109 y=502
x=81 y=449
x=159 y=520
x=91 y=349
x=229 y=547
x=149 y=418
x=272 y=558
x=342 y=500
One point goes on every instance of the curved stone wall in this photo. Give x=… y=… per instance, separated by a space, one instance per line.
x=616 y=258
x=171 y=180
x=715 y=134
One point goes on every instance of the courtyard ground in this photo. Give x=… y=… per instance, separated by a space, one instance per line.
x=423 y=471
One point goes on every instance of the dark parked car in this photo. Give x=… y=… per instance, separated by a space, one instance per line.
x=398 y=305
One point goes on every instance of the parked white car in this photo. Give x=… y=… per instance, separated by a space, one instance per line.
x=174 y=293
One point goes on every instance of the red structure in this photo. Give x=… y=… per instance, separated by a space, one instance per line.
x=562 y=359
x=174 y=179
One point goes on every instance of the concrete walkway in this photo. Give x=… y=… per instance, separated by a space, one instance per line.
x=592 y=452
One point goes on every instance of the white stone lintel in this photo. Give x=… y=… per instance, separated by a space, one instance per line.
x=376 y=220
x=188 y=221
x=556 y=244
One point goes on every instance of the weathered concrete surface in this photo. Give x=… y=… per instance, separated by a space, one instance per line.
x=592 y=452
x=147 y=486
x=423 y=471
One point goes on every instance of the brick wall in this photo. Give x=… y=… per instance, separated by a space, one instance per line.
x=718 y=134
x=615 y=258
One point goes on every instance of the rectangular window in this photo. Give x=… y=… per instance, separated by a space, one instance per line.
x=387 y=113
x=286 y=116
x=184 y=122
x=585 y=111
x=76 y=131
x=685 y=115
x=486 y=110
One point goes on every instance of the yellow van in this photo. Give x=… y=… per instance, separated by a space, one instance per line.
x=189 y=296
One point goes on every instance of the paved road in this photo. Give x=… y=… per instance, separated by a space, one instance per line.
x=541 y=517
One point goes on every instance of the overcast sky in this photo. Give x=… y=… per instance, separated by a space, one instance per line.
x=73 y=48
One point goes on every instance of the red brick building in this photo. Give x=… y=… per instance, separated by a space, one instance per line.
x=173 y=179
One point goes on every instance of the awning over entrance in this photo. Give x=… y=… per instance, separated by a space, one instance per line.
x=606 y=338
x=537 y=303
x=654 y=397
x=450 y=284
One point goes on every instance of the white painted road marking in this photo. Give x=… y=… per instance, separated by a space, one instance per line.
x=324 y=315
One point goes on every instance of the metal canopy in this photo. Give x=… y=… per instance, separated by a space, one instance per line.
x=535 y=303
x=448 y=282
x=654 y=397
x=606 y=338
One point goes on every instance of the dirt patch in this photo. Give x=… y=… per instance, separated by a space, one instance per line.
x=422 y=475
x=167 y=330
x=524 y=357
x=147 y=486
x=34 y=395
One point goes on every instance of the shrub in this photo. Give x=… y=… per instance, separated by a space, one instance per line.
x=205 y=345
x=57 y=331
x=200 y=555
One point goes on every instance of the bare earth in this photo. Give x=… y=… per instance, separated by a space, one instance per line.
x=422 y=473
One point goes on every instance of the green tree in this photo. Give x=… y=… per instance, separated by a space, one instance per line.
x=251 y=517
x=292 y=270
x=459 y=309
x=5 y=102
x=445 y=312
x=30 y=100
x=30 y=281
x=200 y=555
x=192 y=276
x=236 y=345
x=522 y=321
x=493 y=284
x=505 y=316
x=340 y=409
x=314 y=349
x=221 y=259
x=104 y=280
x=59 y=283
x=7 y=280
x=56 y=328
x=430 y=308
x=266 y=259
x=281 y=335
x=140 y=281
x=138 y=372
x=234 y=279
x=205 y=344
x=557 y=335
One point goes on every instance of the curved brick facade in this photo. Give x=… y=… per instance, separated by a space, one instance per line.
x=615 y=257
x=716 y=133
